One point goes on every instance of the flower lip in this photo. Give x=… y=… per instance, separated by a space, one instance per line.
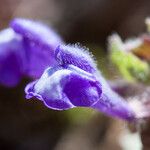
x=63 y=88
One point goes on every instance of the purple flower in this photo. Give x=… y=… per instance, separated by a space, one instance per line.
x=76 y=82
x=26 y=49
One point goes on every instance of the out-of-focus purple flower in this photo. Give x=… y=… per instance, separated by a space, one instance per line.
x=40 y=42
x=26 y=49
x=72 y=84
x=12 y=56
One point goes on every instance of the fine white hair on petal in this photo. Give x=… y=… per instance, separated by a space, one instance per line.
x=77 y=55
x=84 y=51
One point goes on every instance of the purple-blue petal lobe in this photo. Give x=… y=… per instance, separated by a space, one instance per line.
x=81 y=89
x=65 y=88
x=37 y=59
x=36 y=32
x=49 y=89
x=77 y=56
x=12 y=58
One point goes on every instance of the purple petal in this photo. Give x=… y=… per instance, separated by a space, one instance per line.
x=75 y=55
x=11 y=58
x=82 y=88
x=48 y=89
x=115 y=106
x=65 y=88
x=40 y=42
x=37 y=59
x=38 y=33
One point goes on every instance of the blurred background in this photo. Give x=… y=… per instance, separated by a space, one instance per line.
x=27 y=124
